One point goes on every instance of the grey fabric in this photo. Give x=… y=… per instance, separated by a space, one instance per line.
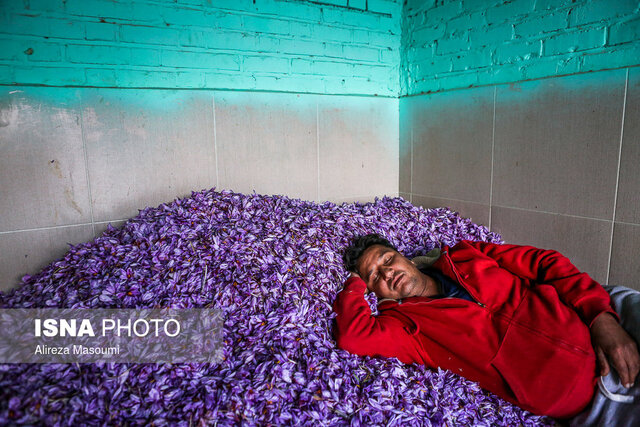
x=427 y=260
x=610 y=411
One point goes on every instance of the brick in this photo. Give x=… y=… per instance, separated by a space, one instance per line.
x=465 y=22
x=90 y=54
x=601 y=10
x=304 y=66
x=575 y=41
x=390 y=56
x=361 y=53
x=505 y=73
x=384 y=6
x=101 y=77
x=554 y=66
x=333 y=33
x=428 y=34
x=509 y=11
x=13 y=50
x=230 y=81
x=152 y=14
x=6 y=74
x=544 y=5
x=471 y=59
x=295 y=47
x=352 y=18
x=265 y=25
x=144 y=78
x=265 y=63
x=492 y=35
x=457 y=80
x=334 y=2
x=190 y=79
x=15 y=24
x=300 y=29
x=189 y=17
x=218 y=39
x=195 y=38
x=181 y=59
x=514 y=52
x=147 y=57
x=624 y=32
x=483 y=5
x=50 y=76
x=620 y=56
x=445 y=46
x=225 y=20
x=98 y=8
x=357 y=4
x=43 y=6
x=444 y=13
x=233 y=41
x=46 y=52
x=374 y=72
x=149 y=35
x=334 y=50
x=65 y=29
x=534 y=27
x=304 y=12
x=101 y=31
x=380 y=39
x=423 y=69
x=390 y=22
x=421 y=54
x=413 y=7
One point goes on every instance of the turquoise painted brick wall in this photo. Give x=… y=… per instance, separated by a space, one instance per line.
x=464 y=43
x=329 y=47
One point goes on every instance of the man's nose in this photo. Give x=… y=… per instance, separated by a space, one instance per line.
x=387 y=272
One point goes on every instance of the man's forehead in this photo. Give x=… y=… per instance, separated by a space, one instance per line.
x=372 y=253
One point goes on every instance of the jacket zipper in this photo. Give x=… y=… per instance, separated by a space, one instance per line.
x=459 y=279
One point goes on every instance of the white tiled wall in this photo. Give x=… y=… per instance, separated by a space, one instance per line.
x=74 y=160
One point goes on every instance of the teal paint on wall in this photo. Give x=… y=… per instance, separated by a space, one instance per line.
x=458 y=44
x=327 y=47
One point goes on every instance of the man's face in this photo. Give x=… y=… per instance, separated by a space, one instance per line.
x=389 y=274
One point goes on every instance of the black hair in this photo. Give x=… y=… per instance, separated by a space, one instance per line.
x=357 y=248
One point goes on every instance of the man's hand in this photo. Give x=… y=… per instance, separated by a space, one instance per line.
x=352 y=274
x=613 y=344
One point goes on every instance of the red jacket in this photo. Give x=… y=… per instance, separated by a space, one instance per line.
x=525 y=338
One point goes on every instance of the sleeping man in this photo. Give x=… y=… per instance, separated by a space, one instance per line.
x=522 y=322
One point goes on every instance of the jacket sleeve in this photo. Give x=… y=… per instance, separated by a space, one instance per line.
x=359 y=332
x=586 y=296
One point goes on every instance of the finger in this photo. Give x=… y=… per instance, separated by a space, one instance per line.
x=619 y=360
x=634 y=366
x=602 y=362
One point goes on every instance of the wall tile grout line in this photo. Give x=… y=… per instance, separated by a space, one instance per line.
x=318 y=150
x=615 y=194
x=411 y=163
x=549 y=213
x=493 y=144
x=453 y=200
x=215 y=140
x=55 y=227
x=86 y=170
